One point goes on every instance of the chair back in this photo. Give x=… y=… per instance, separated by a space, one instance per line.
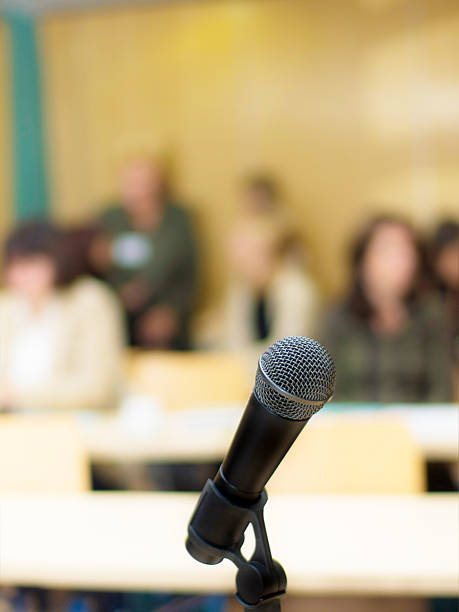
x=351 y=455
x=41 y=453
x=191 y=379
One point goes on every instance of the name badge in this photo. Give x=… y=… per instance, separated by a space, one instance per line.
x=131 y=250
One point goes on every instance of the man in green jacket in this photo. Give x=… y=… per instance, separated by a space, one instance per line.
x=146 y=252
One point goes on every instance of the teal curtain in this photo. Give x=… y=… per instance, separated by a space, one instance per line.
x=30 y=185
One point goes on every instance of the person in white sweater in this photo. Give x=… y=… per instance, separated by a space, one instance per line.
x=61 y=338
x=270 y=294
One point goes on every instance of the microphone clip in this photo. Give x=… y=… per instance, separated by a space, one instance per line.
x=260 y=581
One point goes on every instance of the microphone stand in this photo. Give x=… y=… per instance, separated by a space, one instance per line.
x=260 y=581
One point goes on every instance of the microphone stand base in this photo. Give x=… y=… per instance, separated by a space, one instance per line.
x=260 y=581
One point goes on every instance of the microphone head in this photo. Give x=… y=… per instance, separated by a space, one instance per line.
x=295 y=377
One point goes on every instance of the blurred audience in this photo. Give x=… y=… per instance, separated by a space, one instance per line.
x=444 y=259
x=61 y=334
x=146 y=252
x=389 y=340
x=270 y=293
x=444 y=262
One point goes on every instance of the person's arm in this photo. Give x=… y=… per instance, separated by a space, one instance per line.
x=172 y=281
x=171 y=276
x=93 y=380
x=181 y=288
x=330 y=330
x=439 y=362
x=107 y=225
x=335 y=334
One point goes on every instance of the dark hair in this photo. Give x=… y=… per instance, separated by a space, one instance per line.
x=79 y=239
x=358 y=301
x=41 y=238
x=263 y=182
x=446 y=234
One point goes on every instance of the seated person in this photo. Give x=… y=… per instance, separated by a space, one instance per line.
x=444 y=252
x=444 y=259
x=270 y=294
x=389 y=342
x=61 y=337
x=146 y=252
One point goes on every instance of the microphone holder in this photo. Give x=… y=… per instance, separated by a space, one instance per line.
x=260 y=581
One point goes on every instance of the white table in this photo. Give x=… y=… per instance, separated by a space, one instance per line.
x=328 y=545
x=204 y=435
x=435 y=428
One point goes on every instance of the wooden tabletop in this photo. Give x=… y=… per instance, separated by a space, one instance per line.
x=204 y=435
x=126 y=541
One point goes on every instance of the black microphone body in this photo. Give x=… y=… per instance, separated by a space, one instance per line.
x=260 y=443
x=295 y=378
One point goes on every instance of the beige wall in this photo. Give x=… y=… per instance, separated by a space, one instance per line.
x=5 y=165
x=351 y=104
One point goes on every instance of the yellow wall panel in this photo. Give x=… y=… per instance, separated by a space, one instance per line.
x=412 y=116
x=323 y=94
x=5 y=162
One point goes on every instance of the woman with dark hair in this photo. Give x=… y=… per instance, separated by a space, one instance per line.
x=61 y=335
x=389 y=341
x=444 y=255
x=444 y=266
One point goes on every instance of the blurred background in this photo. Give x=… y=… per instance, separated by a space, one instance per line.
x=182 y=183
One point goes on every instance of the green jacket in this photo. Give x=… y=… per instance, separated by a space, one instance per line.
x=166 y=262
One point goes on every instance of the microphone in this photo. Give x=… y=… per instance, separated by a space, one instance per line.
x=295 y=378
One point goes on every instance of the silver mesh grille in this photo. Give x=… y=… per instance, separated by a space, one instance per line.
x=297 y=367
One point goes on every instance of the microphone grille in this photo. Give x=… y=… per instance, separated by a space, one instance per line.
x=295 y=377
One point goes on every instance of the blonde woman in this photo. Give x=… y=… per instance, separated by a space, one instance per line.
x=270 y=294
